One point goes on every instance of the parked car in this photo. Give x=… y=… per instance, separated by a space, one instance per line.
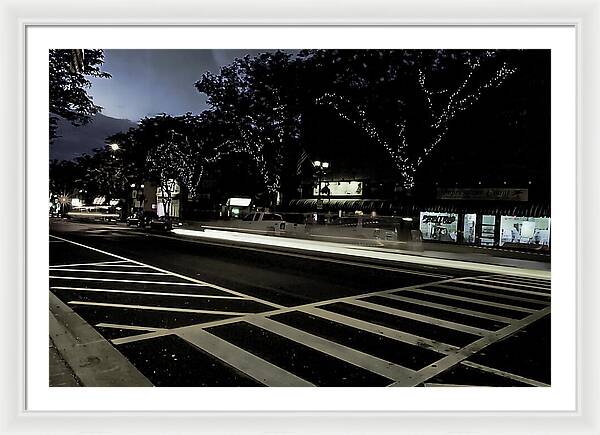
x=141 y=219
x=164 y=223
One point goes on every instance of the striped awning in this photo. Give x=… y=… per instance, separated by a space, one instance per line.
x=407 y=208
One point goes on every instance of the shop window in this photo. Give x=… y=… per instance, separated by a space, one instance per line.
x=488 y=228
x=469 y=228
x=438 y=226
x=525 y=231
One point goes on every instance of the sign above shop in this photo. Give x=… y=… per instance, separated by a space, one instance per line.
x=484 y=193
x=340 y=188
x=239 y=202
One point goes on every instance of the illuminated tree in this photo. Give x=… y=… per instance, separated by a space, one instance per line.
x=255 y=97
x=404 y=101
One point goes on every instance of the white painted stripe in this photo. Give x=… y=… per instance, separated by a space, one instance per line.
x=516 y=279
x=336 y=350
x=541 y=303
x=509 y=282
x=505 y=286
x=130 y=327
x=420 y=317
x=103 y=263
x=505 y=374
x=156 y=308
x=452 y=359
x=384 y=331
x=140 y=337
x=187 y=278
x=450 y=308
x=246 y=362
x=545 y=289
x=134 y=266
x=82 y=278
x=141 y=292
x=400 y=336
x=512 y=289
x=429 y=384
x=477 y=301
x=120 y=272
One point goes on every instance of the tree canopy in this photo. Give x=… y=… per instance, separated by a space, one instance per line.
x=68 y=84
x=401 y=104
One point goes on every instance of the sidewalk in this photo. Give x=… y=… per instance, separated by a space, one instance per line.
x=61 y=375
x=80 y=356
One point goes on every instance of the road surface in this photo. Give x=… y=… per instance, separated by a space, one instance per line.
x=189 y=312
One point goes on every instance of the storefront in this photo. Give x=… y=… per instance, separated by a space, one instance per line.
x=516 y=225
x=486 y=229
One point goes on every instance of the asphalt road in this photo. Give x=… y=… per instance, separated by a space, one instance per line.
x=191 y=313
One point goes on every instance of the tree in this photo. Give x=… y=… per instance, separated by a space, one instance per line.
x=404 y=100
x=68 y=84
x=103 y=174
x=63 y=177
x=180 y=148
x=197 y=142
x=257 y=98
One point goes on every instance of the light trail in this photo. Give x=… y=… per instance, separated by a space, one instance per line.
x=358 y=251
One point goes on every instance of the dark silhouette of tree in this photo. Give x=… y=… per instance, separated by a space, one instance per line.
x=68 y=84
x=103 y=174
x=256 y=97
x=63 y=177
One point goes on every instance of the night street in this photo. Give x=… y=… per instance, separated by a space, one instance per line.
x=300 y=217
x=187 y=312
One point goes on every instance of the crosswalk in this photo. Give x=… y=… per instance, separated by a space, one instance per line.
x=128 y=291
x=406 y=336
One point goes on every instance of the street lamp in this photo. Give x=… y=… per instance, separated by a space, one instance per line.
x=114 y=146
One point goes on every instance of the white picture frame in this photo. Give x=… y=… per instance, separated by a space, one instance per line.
x=16 y=16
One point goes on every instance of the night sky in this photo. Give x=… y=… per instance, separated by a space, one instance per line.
x=148 y=82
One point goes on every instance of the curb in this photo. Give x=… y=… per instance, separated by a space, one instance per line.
x=94 y=361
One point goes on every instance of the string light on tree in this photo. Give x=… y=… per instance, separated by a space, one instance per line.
x=444 y=104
